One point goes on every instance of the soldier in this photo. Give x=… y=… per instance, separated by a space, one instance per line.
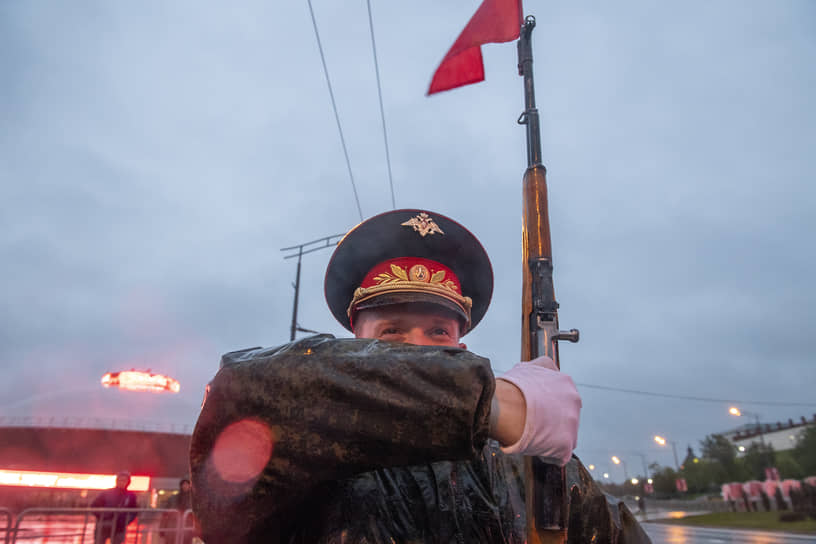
x=399 y=435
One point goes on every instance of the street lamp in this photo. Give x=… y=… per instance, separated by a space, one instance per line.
x=734 y=411
x=618 y=461
x=662 y=441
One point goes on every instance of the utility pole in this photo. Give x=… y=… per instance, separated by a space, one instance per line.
x=618 y=461
x=674 y=451
x=645 y=466
x=734 y=411
x=662 y=441
x=301 y=250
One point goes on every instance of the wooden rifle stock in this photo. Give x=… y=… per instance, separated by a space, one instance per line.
x=545 y=485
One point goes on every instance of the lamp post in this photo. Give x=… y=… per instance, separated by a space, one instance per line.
x=662 y=441
x=645 y=466
x=618 y=461
x=734 y=411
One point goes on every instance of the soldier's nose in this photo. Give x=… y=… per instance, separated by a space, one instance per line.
x=417 y=336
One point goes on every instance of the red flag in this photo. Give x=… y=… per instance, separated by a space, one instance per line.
x=495 y=21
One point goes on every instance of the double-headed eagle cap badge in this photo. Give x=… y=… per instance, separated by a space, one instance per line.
x=423 y=224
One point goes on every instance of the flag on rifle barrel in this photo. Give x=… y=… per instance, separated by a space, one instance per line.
x=495 y=21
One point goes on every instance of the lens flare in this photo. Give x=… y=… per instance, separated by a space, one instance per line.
x=242 y=450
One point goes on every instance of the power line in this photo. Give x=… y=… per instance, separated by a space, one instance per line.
x=334 y=107
x=700 y=399
x=382 y=110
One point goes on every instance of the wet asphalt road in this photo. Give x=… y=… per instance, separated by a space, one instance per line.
x=678 y=534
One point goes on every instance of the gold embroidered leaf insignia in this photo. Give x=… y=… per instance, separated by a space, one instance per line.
x=399 y=272
x=384 y=278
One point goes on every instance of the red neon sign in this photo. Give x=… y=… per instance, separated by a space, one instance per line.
x=138 y=380
x=68 y=480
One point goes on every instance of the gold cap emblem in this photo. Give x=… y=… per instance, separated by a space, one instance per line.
x=423 y=224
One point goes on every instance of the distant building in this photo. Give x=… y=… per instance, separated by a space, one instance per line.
x=60 y=447
x=58 y=462
x=781 y=436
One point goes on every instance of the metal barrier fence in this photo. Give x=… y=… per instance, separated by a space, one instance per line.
x=98 y=525
x=96 y=423
x=5 y=535
x=186 y=528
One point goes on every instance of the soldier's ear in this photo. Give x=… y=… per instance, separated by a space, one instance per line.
x=462 y=345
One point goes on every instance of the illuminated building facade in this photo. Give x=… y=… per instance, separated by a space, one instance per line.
x=59 y=466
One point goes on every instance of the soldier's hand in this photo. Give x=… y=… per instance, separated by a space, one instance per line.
x=550 y=409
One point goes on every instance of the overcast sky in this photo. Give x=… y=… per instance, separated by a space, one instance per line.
x=155 y=156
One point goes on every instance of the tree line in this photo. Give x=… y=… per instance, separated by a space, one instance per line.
x=718 y=464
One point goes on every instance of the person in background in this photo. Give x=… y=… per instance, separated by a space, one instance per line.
x=170 y=523
x=113 y=525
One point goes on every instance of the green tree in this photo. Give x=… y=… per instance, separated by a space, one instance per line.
x=757 y=458
x=704 y=475
x=716 y=447
x=805 y=451
x=719 y=450
x=663 y=478
x=788 y=466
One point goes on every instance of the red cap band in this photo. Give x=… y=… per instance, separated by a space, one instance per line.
x=412 y=275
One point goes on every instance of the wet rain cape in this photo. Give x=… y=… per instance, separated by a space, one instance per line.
x=361 y=441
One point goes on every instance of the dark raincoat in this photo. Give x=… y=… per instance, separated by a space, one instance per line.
x=113 y=525
x=374 y=442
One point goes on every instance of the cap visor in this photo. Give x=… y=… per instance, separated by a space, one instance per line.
x=390 y=299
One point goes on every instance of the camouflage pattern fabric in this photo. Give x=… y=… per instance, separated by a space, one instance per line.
x=361 y=441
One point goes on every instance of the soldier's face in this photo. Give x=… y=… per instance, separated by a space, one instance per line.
x=122 y=482
x=420 y=324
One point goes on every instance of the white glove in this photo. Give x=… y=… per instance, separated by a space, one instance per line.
x=553 y=409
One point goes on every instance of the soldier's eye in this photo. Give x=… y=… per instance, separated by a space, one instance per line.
x=389 y=330
x=441 y=332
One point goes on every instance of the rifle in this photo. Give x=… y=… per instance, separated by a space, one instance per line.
x=545 y=484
